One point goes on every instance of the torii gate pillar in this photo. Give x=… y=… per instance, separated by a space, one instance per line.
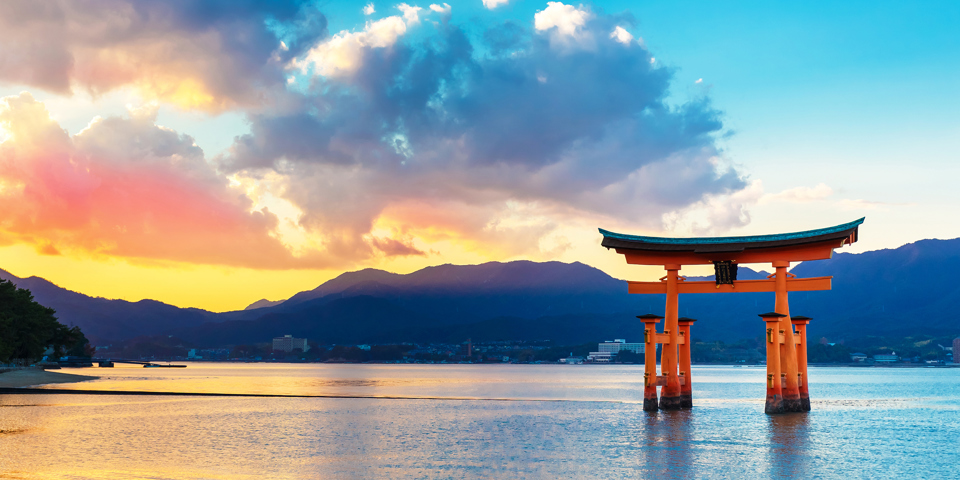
x=774 y=402
x=650 y=321
x=669 y=355
x=788 y=349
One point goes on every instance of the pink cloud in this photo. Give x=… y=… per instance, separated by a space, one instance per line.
x=158 y=201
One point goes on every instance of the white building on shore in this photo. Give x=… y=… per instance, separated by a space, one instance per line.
x=288 y=343
x=607 y=350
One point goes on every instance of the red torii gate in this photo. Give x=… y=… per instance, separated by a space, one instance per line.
x=787 y=389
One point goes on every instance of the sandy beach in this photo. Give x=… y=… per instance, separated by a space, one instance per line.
x=32 y=376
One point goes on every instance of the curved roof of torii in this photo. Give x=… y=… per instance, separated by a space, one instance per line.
x=729 y=244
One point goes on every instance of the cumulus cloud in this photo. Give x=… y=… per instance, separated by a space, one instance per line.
x=491 y=4
x=440 y=142
x=204 y=55
x=411 y=14
x=369 y=9
x=441 y=9
x=718 y=213
x=343 y=54
x=491 y=141
x=563 y=22
x=126 y=187
x=621 y=35
x=715 y=213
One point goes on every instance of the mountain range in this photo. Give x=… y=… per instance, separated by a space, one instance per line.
x=897 y=292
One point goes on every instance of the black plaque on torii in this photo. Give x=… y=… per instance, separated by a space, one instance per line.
x=725 y=272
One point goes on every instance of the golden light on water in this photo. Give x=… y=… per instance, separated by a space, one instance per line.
x=497 y=421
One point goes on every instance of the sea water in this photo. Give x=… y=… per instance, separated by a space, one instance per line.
x=479 y=421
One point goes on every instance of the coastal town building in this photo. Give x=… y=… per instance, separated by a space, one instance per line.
x=619 y=345
x=288 y=343
x=607 y=350
x=599 y=357
x=886 y=358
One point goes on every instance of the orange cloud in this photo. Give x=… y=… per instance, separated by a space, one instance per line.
x=495 y=231
x=125 y=187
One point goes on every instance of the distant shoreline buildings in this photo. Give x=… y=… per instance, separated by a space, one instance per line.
x=607 y=350
x=288 y=343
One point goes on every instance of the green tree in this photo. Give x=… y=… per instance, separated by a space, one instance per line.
x=28 y=328
x=6 y=337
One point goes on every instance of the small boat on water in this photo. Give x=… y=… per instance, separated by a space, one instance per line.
x=157 y=365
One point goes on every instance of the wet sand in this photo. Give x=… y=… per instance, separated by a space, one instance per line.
x=33 y=376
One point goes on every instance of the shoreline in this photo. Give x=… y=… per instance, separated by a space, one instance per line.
x=31 y=377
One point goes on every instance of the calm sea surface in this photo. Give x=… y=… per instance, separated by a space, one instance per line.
x=480 y=421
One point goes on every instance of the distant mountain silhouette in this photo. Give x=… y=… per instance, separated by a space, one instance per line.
x=910 y=289
x=905 y=291
x=344 y=320
x=103 y=320
x=436 y=304
x=263 y=303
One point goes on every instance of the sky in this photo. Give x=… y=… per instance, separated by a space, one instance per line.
x=212 y=153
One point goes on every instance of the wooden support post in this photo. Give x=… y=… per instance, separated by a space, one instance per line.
x=774 y=403
x=650 y=361
x=670 y=394
x=801 y=323
x=788 y=350
x=686 y=390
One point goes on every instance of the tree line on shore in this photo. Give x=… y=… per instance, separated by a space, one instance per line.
x=746 y=351
x=28 y=329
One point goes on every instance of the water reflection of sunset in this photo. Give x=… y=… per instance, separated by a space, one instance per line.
x=597 y=428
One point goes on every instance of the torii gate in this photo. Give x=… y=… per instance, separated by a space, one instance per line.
x=786 y=363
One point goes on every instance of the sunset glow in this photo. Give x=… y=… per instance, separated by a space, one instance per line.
x=212 y=156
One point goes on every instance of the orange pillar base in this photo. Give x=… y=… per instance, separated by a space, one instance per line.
x=670 y=403
x=650 y=403
x=774 y=403
x=793 y=404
